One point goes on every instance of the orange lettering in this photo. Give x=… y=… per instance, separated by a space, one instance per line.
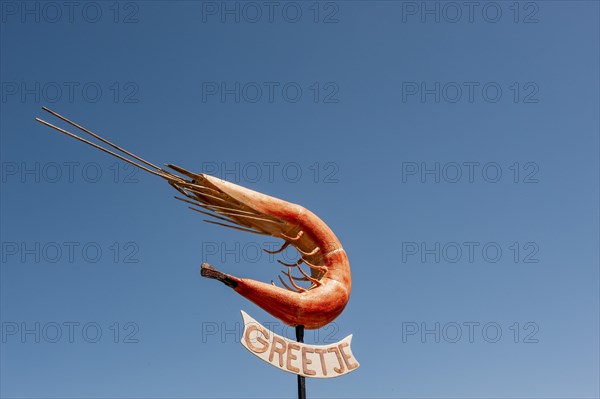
x=292 y=347
x=280 y=350
x=321 y=353
x=340 y=369
x=306 y=361
x=259 y=338
x=347 y=357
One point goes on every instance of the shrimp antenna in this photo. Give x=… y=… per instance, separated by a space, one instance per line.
x=157 y=171
x=103 y=149
x=70 y=122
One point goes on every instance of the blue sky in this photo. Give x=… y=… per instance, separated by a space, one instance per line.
x=453 y=150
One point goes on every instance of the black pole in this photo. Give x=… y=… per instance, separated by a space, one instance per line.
x=301 y=379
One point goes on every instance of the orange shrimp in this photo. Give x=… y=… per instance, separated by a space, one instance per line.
x=247 y=210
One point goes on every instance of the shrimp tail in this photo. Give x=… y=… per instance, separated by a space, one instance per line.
x=208 y=271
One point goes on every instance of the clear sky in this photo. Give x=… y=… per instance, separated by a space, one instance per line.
x=452 y=147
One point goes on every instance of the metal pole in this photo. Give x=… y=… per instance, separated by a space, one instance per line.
x=301 y=379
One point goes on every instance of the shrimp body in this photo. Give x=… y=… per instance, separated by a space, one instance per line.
x=250 y=211
x=312 y=308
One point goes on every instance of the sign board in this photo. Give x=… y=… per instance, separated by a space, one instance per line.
x=314 y=361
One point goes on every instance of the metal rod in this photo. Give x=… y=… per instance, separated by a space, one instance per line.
x=301 y=379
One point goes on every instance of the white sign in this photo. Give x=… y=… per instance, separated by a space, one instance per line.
x=315 y=361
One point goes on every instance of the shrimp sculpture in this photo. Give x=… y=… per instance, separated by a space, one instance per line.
x=253 y=212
